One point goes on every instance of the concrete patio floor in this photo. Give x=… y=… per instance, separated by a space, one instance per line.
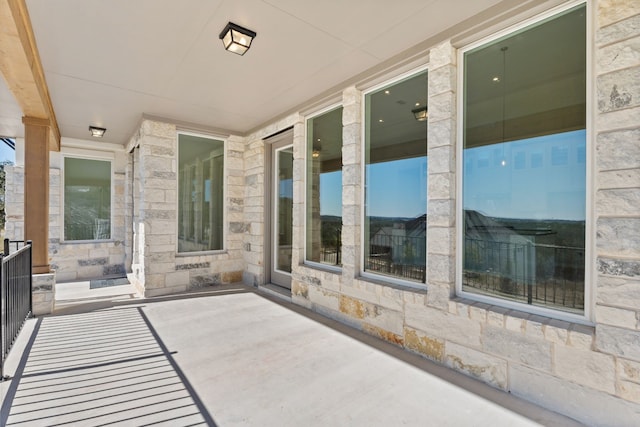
x=230 y=356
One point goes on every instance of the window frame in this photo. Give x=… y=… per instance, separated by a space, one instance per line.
x=589 y=267
x=315 y=114
x=225 y=148
x=81 y=154
x=395 y=281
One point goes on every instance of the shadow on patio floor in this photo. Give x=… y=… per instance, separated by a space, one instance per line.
x=241 y=358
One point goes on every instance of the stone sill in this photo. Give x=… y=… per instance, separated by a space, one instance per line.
x=88 y=242
x=322 y=268
x=554 y=329
x=522 y=311
x=418 y=288
x=201 y=253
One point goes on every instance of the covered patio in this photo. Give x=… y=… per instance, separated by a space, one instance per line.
x=201 y=359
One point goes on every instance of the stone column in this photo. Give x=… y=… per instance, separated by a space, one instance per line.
x=616 y=135
x=441 y=192
x=299 y=148
x=351 y=184
x=36 y=190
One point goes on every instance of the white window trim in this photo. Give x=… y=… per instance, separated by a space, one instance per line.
x=590 y=269
x=365 y=274
x=225 y=148
x=82 y=154
x=318 y=113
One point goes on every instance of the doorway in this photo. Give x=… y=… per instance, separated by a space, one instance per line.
x=279 y=236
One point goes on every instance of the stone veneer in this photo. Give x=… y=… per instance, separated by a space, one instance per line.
x=157 y=268
x=591 y=373
x=72 y=260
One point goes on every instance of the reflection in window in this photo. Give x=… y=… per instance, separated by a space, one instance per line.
x=284 y=209
x=324 y=188
x=524 y=221
x=200 y=193
x=396 y=179
x=87 y=199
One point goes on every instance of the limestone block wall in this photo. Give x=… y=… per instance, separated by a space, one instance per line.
x=591 y=373
x=87 y=260
x=252 y=180
x=157 y=268
x=71 y=260
x=617 y=191
x=14 y=202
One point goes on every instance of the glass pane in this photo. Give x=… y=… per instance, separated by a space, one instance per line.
x=284 y=209
x=200 y=193
x=396 y=180
x=87 y=199
x=524 y=183
x=324 y=188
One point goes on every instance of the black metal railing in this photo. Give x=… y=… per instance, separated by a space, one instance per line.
x=530 y=272
x=15 y=294
x=331 y=250
x=399 y=256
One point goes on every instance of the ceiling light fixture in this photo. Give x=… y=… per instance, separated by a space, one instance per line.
x=97 y=132
x=237 y=39
x=420 y=114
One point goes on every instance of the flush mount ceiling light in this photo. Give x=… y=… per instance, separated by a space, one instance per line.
x=420 y=114
x=237 y=39
x=97 y=132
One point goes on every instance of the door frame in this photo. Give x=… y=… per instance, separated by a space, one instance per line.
x=273 y=144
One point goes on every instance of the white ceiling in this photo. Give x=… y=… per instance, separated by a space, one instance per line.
x=108 y=62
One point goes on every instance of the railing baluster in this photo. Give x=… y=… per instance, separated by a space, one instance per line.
x=15 y=295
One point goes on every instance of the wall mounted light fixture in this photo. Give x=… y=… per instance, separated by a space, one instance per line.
x=97 y=132
x=420 y=114
x=237 y=39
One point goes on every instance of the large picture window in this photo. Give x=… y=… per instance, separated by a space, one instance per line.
x=524 y=165
x=200 y=193
x=87 y=199
x=396 y=179
x=324 y=188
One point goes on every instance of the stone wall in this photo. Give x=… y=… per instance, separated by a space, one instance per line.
x=157 y=268
x=252 y=181
x=87 y=260
x=591 y=373
x=617 y=193
x=71 y=260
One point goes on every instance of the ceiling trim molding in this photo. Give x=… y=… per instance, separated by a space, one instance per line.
x=22 y=69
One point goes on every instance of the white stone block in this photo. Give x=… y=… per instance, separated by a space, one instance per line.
x=591 y=407
x=595 y=370
x=581 y=336
x=489 y=369
x=611 y=11
x=618 y=341
x=442 y=54
x=624 y=54
x=616 y=317
x=442 y=324
x=557 y=331
x=517 y=347
x=618 y=202
x=619 y=291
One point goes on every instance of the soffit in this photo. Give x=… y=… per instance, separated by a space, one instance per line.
x=107 y=63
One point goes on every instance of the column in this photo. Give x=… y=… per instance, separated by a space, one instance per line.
x=36 y=190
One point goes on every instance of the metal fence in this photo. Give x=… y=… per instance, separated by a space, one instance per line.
x=399 y=256
x=538 y=274
x=15 y=294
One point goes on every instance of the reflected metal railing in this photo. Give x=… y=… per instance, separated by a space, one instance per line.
x=529 y=272
x=399 y=256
